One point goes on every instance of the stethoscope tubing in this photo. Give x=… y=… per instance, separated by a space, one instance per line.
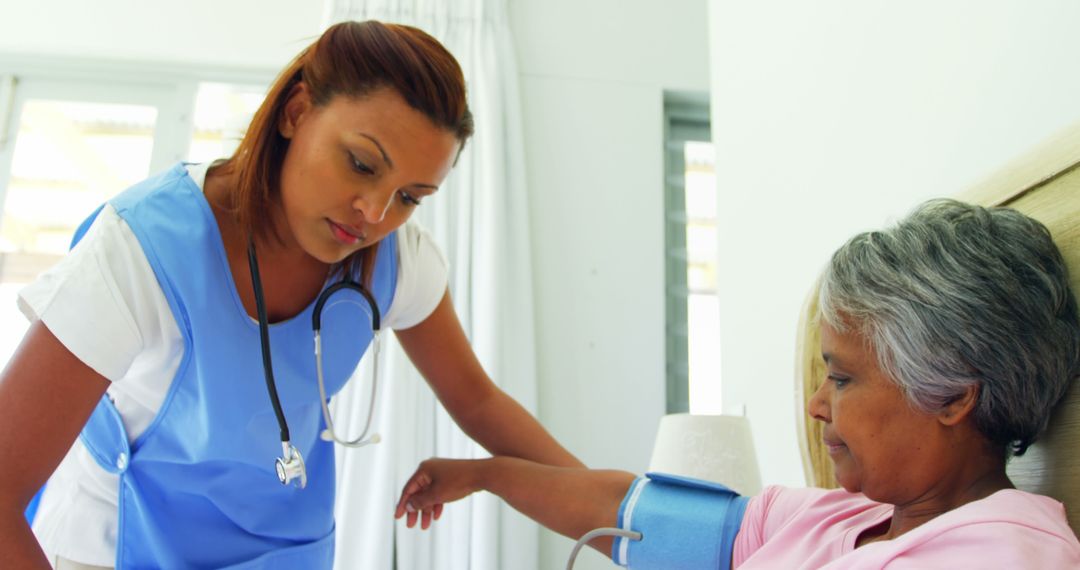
x=345 y=283
x=264 y=339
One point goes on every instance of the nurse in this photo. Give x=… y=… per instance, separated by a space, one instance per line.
x=141 y=391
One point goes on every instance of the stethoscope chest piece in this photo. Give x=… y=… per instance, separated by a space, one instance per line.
x=290 y=467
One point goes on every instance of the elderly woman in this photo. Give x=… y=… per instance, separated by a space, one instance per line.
x=948 y=341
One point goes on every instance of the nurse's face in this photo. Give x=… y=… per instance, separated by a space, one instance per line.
x=878 y=442
x=356 y=169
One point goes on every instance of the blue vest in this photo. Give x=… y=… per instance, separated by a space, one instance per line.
x=198 y=488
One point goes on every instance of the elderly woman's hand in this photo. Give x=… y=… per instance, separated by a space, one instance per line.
x=436 y=482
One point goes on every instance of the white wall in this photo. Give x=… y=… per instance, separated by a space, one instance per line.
x=592 y=81
x=835 y=116
x=244 y=33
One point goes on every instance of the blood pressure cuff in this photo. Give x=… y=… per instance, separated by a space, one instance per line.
x=684 y=523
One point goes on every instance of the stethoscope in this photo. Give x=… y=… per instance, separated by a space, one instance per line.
x=290 y=466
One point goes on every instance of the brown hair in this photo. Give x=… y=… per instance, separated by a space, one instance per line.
x=351 y=59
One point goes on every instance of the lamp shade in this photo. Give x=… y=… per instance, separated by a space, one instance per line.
x=716 y=448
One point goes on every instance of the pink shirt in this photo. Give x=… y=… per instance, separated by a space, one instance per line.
x=816 y=528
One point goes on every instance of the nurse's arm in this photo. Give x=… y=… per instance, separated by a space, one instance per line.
x=570 y=501
x=46 y=396
x=441 y=352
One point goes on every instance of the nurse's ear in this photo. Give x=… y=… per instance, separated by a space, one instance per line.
x=296 y=106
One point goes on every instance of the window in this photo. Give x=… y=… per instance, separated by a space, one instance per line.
x=691 y=304
x=222 y=114
x=69 y=147
x=73 y=135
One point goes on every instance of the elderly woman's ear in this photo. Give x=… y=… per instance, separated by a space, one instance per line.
x=960 y=407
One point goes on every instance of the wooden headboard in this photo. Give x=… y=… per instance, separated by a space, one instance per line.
x=1044 y=184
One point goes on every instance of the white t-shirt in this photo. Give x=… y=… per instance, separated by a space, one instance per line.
x=103 y=302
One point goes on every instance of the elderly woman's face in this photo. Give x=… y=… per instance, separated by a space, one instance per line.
x=879 y=443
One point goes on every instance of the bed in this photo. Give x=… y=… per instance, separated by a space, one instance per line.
x=1044 y=184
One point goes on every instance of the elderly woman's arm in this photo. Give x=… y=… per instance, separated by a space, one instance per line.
x=570 y=501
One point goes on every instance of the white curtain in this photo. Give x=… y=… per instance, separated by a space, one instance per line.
x=479 y=218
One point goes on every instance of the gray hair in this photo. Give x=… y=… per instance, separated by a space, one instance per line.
x=957 y=295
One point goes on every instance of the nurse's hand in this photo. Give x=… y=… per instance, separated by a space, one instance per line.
x=435 y=482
